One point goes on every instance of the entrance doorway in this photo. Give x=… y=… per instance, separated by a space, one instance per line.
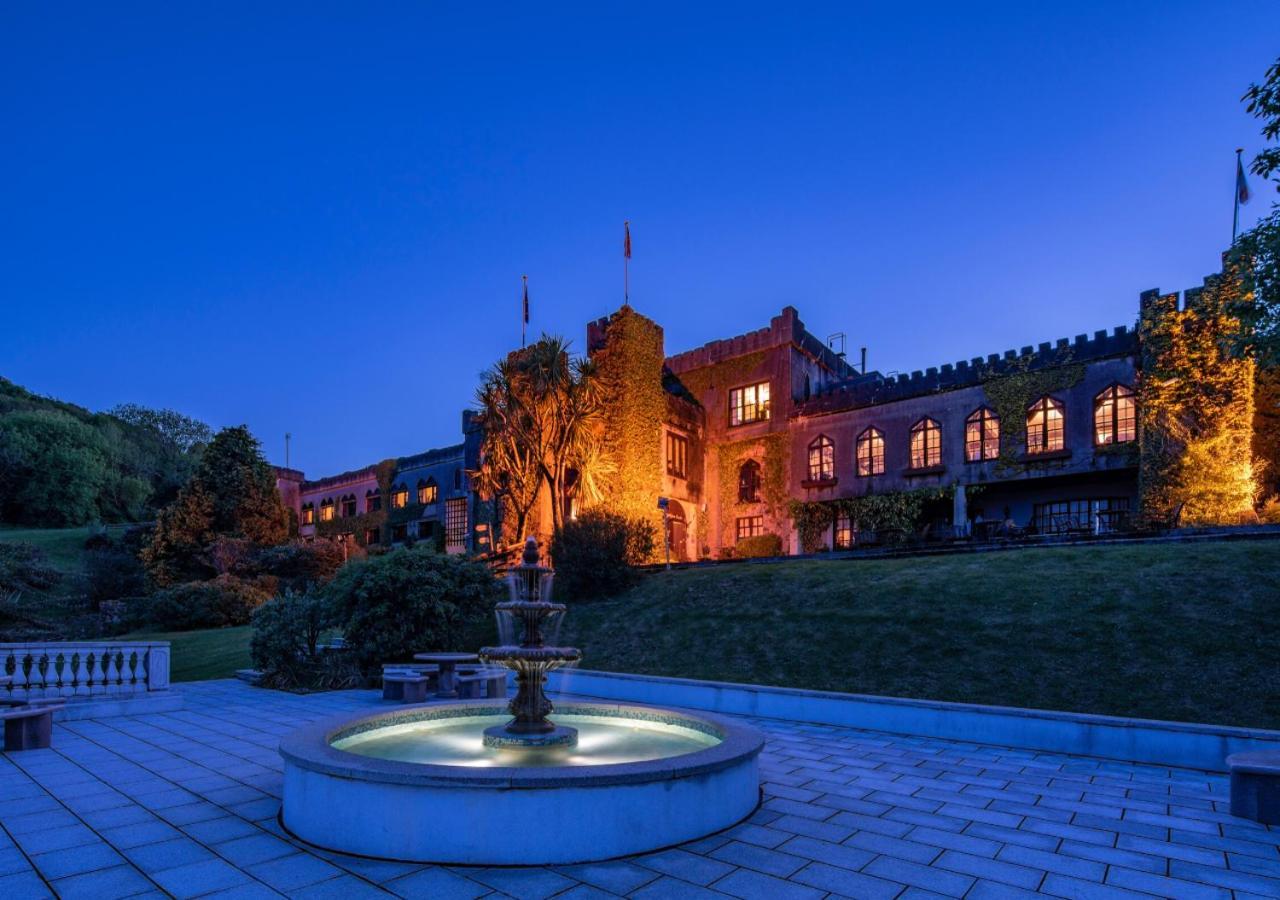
x=677 y=531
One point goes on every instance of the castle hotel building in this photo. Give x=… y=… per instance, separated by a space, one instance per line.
x=755 y=421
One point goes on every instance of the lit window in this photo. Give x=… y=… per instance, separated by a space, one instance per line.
x=399 y=497
x=926 y=444
x=677 y=454
x=326 y=511
x=749 y=482
x=749 y=404
x=870 y=452
x=372 y=501
x=428 y=491
x=1114 y=416
x=455 y=524
x=844 y=531
x=981 y=436
x=822 y=459
x=348 y=506
x=1044 y=426
x=309 y=514
x=750 y=526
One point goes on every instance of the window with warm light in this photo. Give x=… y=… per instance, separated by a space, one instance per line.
x=749 y=482
x=455 y=522
x=750 y=526
x=348 y=506
x=1044 y=426
x=399 y=497
x=749 y=404
x=677 y=455
x=844 y=531
x=926 y=444
x=428 y=491
x=1115 y=416
x=822 y=459
x=981 y=436
x=326 y=511
x=870 y=452
x=309 y=514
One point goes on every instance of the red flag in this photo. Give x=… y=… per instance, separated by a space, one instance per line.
x=1242 y=186
x=526 y=298
x=626 y=241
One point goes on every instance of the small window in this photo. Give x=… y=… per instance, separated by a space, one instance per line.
x=326 y=511
x=870 y=452
x=844 y=531
x=348 y=506
x=1044 y=426
x=372 y=536
x=399 y=497
x=399 y=533
x=749 y=404
x=926 y=444
x=309 y=514
x=428 y=491
x=822 y=459
x=677 y=455
x=750 y=526
x=749 y=482
x=1115 y=416
x=981 y=436
x=372 y=501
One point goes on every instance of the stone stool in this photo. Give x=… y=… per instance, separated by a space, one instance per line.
x=405 y=687
x=1255 y=785
x=28 y=727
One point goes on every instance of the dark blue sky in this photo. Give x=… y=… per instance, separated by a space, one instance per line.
x=315 y=218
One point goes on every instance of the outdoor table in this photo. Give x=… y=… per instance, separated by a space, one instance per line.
x=448 y=663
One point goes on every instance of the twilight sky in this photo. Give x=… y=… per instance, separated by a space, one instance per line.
x=314 y=218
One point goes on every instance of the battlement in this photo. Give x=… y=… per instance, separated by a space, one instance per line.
x=874 y=388
x=784 y=329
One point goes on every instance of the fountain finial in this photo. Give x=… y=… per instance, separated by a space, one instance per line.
x=531 y=551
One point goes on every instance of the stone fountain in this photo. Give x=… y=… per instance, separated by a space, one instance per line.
x=530 y=605
x=484 y=783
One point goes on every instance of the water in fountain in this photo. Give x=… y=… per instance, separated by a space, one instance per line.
x=531 y=612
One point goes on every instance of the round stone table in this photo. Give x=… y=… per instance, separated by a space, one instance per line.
x=448 y=663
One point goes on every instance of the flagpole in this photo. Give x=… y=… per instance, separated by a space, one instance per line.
x=524 y=310
x=626 y=262
x=1235 y=221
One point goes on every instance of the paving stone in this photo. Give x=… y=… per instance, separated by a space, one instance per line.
x=846 y=883
x=751 y=885
x=991 y=890
x=1162 y=886
x=1236 y=880
x=666 y=888
x=255 y=848
x=436 y=884
x=941 y=881
x=120 y=881
x=840 y=855
x=215 y=831
x=156 y=857
x=77 y=860
x=759 y=859
x=289 y=873
x=1073 y=888
x=1114 y=857
x=23 y=884
x=200 y=878
x=894 y=847
x=532 y=883
x=618 y=877
x=990 y=869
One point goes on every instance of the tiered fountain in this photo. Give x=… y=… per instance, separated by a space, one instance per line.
x=487 y=784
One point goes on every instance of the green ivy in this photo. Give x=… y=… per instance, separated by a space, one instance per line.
x=1012 y=392
x=895 y=512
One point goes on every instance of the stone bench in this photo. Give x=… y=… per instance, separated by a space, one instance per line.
x=1255 y=785
x=483 y=683
x=29 y=726
x=405 y=687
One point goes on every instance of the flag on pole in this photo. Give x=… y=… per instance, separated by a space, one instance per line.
x=1242 y=186
x=626 y=239
x=525 y=278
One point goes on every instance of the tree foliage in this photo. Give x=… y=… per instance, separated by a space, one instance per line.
x=595 y=555
x=1257 y=251
x=232 y=494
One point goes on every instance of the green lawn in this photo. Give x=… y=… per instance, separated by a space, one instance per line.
x=199 y=655
x=1173 y=631
x=64 y=547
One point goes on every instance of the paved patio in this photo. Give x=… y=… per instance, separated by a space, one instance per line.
x=184 y=804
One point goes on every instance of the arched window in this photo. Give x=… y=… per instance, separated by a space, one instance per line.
x=1044 y=426
x=870 y=452
x=926 y=444
x=326 y=510
x=822 y=459
x=348 y=506
x=981 y=436
x=399 y=496
x=1115 y=416
x=749 y=482
x=373 y=500
x=428 y=491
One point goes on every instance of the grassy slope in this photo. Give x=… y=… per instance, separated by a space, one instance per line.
x=64 y=547
x=197 y=655
x=1173 y=631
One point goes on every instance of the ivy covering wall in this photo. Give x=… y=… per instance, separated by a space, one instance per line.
x=895 y=513
x=357 y=526
x=1013 y=391
x=1195 y=408
x=772 y=452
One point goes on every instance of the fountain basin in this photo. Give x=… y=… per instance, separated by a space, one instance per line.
x=641 y=779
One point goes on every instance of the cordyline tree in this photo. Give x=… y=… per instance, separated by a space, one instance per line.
x=231 y=494
x=542 y=415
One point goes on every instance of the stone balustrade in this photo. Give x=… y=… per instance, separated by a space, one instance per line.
x=83 y=669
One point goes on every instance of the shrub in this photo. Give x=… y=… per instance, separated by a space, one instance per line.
x=299 y=565
x=595 y=555
x=758 y=547
x=23 y=568
x=1269 y=514
x=286 y=632
x=405 y=601
x=113 y=575
x=222 y=602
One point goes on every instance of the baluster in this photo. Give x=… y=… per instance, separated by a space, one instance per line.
x=131 y=665
x=40 y=665
x=21 y=681
x=112 y=675
x=83 y=687
x=65 y=674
